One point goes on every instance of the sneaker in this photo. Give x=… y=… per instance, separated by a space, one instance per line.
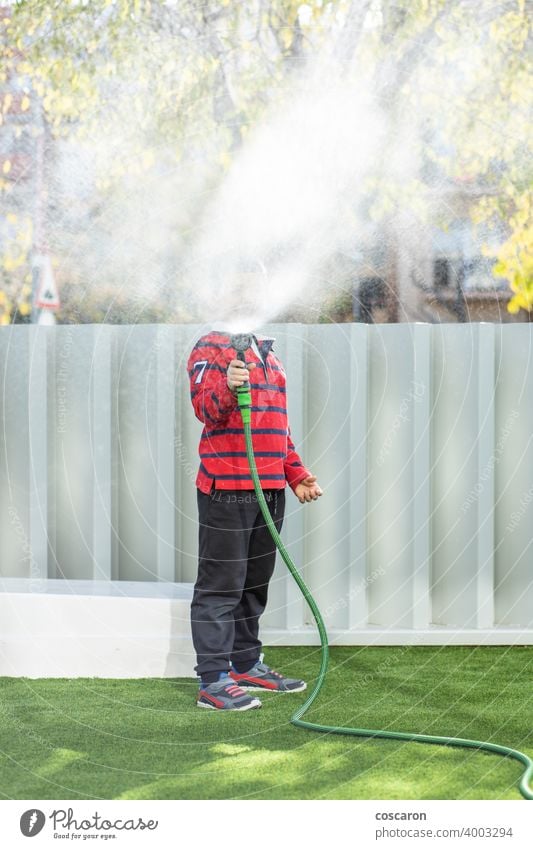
x=224 y=694
x=262 y=677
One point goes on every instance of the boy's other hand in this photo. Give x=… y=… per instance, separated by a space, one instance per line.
x=307 y=490
x=238 y=373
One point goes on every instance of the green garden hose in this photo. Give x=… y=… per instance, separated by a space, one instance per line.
x=244 y=399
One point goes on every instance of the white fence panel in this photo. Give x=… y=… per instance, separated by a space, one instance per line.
x=421 y=436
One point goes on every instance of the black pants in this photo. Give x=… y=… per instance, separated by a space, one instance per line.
x=235 y=564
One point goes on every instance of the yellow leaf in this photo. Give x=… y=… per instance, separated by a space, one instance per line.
x=24 y=308
x=225 y=158
x=25 y=103
x=6 y=168
x=286 y=37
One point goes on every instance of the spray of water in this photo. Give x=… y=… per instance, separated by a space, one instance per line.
x=289 y=201
x=308 y=182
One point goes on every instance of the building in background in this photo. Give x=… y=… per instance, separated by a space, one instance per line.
x=435 y=273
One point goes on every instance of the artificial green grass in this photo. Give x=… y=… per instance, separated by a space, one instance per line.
x=84 y=738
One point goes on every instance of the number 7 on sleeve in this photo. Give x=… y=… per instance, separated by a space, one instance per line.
x=201 y=366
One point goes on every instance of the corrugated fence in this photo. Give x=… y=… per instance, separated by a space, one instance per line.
x=421 y=436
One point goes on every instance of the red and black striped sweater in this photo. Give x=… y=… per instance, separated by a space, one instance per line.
x=223 y=463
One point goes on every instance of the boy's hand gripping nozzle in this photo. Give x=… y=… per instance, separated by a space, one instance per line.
x=241 y=342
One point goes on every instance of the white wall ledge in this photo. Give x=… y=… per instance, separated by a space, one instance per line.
x=65 y=634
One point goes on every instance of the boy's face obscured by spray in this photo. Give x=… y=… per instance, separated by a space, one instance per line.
x=244 y=300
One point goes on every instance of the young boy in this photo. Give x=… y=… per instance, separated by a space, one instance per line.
x=236 y=551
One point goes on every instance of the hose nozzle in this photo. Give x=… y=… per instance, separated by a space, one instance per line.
x=241 y=342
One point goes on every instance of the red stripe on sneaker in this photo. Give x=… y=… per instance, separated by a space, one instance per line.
x=248 y=679
x=216 y=702
x=235 y=690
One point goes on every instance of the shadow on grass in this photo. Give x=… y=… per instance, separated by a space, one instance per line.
x=145 y=739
